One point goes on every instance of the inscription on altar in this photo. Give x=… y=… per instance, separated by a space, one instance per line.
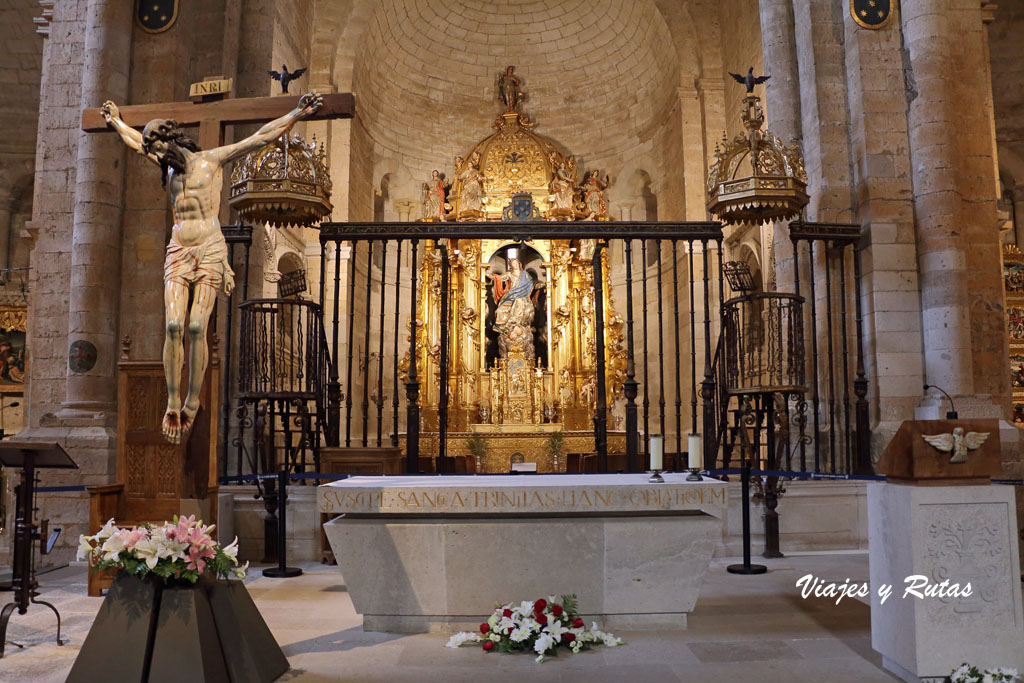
x=518 y=499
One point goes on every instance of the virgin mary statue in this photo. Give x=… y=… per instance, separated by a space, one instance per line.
x=513 y=318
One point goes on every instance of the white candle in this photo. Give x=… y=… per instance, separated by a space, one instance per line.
x=657 y=448
x=693 y=459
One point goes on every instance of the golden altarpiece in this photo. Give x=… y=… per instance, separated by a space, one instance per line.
x=522 y=354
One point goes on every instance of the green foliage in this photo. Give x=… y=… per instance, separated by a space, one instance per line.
x=556 y=442
x=477 y=446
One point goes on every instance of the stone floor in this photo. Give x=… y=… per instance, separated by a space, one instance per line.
x=745 y=628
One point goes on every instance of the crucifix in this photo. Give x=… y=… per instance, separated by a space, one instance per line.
x=196 y=261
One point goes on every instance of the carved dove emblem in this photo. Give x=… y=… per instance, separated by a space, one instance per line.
x=957 y=442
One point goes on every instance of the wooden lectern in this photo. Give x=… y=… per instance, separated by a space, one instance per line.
x=29 y=456
x=911 y=459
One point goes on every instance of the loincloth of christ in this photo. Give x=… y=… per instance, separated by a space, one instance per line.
x=199 y=264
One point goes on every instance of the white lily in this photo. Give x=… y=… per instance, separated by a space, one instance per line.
x=555 y=629
x=543 y=643
x=112 y=547
x=240 y=572
x=85 y=548
x=108 y=530
x=146 y=549
x=231 y=550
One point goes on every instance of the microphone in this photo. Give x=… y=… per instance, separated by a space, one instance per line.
x=951 y=413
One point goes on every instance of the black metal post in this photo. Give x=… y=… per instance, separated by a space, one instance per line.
x=601 y=410
x=629 y=386
x=647 y=401
x=746 y=567
x=661 y=349
x=282 y=570
x=394 y=360
x=366 y=345
x=860 y=384
x=412 y=386
x=351 y=338
x=380 y=342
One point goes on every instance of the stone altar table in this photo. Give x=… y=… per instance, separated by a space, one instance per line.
x=436 y=553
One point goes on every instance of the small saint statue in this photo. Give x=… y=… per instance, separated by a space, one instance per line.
x=435 y=191
x=196 y=265
x=508 y=90
x=593 y=188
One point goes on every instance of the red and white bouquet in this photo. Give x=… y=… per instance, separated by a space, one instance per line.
x=180 y=550
x=541 y=625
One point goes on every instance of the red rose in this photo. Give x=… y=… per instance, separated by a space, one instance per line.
x=577 y=622
x=488 y=645
x=569 y=637
x=507 y=613
x=539 y=606
x=556 y=610
x=484 y=628
x=542 y=619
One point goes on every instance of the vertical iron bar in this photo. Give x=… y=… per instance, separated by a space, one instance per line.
x=846 y=360
x=860 y=383
x=601 y=411
x=803 y=358
x=693 y=348
x=380 y=342
x=442 y=403
x=831 y=363
x=412 y=385
x=814 y=358
x=708 y=385
x=661 y=350
x=366 y=343
x=675 y=312
x=351 y=338
x=394 y=360
x=647 y=401
x=629 y=386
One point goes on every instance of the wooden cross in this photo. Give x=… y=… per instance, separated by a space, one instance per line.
x=212 y=117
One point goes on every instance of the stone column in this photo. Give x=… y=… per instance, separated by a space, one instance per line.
x=99 y=188
x=6 y=213
x=694 y=154
x=955 y=204
x=782 y=104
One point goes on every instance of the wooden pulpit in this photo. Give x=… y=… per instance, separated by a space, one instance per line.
x=910 y=458
x=156 y=480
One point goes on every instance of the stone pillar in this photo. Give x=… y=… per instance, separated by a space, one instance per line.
x=955 y=204
x=694 y=154
x=99 y=188
x=782 y=104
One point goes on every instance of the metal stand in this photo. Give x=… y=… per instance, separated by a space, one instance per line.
x=28 y=456
x=746 y=567
x=282 y=570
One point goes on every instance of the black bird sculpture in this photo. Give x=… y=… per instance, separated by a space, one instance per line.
x=750 y=80
x=286 y=76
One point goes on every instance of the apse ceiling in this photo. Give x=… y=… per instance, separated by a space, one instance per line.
x=600 y=75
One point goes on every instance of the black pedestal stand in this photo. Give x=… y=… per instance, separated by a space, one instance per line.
x=29 y=457
x=282 y=570
x=746 y=567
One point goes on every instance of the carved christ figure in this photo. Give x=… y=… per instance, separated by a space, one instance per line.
x=196 y=259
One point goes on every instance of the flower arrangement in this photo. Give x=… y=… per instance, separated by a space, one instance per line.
x=180 y=550
x=970 y=674
x=542 y=626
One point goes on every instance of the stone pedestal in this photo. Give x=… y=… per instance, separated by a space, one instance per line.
x=436 y=554
x=963 y=534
